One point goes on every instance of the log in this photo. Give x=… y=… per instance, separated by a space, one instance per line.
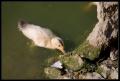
x=106 y=28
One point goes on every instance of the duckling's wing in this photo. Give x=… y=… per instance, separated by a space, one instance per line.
x=44 y=37
x=48 y=33
x=31 y=31
x=40 y=36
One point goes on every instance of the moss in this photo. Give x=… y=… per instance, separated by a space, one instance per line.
x=52 y=60
x=73 y=62
x=99 y=70
x=90 y=67
x=88 y=51
x=52 y=73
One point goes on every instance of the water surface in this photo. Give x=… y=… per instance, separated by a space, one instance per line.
x=69 y=20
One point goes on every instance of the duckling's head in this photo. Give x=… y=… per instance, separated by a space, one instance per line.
x=57 y=43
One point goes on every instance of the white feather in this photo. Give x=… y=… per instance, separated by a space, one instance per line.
x=57 y=64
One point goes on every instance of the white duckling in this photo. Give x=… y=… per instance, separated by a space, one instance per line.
x=41 y=37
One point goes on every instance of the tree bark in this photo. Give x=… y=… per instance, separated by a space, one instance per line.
x=106 y=28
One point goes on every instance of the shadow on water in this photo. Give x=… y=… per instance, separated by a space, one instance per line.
x=69 y=45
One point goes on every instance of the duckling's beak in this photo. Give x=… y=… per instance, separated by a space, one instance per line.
x=62 y=50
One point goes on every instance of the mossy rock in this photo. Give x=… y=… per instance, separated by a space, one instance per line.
x=72 y=62
x=52 y=73
x=52 y=60
x=99 y=70
x=90 y=67
x=88 y=51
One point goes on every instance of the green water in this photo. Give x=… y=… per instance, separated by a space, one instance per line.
x=69 y=20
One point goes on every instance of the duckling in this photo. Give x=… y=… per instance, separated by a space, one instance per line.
x=42 y=37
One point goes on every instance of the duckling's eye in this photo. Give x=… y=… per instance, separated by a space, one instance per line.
x=61 y=42
x=58 y=45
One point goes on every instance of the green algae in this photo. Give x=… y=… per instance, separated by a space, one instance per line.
x=52 y=72
x=88 y=51
x=73 y=62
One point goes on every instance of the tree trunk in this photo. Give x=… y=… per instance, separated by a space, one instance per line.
x=106 y=28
